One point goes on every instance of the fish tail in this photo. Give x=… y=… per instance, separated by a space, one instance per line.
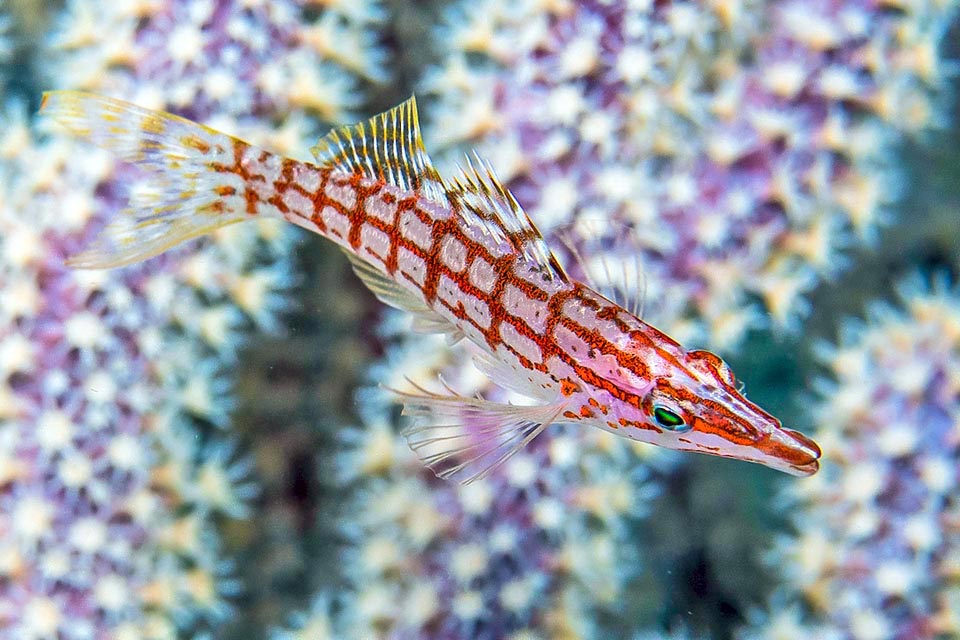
x=195 y=186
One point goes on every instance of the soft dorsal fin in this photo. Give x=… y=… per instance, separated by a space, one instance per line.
x=386 y=147
x=486 y=203
x=614 y=268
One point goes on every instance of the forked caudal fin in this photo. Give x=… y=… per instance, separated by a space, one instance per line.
x=191 y=191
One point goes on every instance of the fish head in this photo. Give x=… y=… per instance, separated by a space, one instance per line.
x=696 y=406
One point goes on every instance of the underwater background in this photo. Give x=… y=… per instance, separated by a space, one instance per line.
x=200 y=446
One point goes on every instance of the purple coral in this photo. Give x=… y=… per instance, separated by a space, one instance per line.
x=225 y=59
x=111 y=479
x=878 y=533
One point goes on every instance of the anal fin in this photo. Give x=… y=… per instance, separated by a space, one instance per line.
x=465 y=439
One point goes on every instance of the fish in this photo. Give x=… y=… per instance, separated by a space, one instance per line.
x=463 y=257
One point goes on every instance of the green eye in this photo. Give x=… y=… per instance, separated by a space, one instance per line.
x=669 y=420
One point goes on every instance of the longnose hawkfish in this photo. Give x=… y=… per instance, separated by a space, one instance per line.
x=461 y=256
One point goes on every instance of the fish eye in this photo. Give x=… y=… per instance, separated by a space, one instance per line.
x=669 y=420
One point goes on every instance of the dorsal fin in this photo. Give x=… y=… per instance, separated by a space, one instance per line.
x=609 y=259
x=385 y=147
x=485 y=202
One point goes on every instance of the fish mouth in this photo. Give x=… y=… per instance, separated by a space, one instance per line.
x=794 y=453
x=803 y=470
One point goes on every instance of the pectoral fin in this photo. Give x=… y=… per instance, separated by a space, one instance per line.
x=465 y=439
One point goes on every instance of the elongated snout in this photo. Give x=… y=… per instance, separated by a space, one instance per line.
x=791 y=452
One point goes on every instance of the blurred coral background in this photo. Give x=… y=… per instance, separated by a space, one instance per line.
x=200 y=446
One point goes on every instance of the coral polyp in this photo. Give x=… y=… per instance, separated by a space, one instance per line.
x=114 y=387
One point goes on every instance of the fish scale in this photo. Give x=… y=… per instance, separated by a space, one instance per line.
x=465 y=260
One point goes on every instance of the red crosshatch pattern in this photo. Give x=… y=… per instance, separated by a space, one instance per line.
x=353 y=202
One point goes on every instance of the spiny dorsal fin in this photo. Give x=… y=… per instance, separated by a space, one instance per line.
x=486 y=203
x=386 y=147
